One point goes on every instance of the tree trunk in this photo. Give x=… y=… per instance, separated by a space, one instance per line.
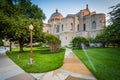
x=107 y=44
x=118 y=43
x=113 y=45
x=21 y=46
x=10 y=46
x=103 y=44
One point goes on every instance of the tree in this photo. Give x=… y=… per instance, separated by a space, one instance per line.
x=53 y=42
x=107 y=36
x=1 y=42
x=76 y=42
x=114 y=14
x=114 y=28
x=91 y=40
x=111 y=34
x=20 y=31
x=15 y=22
x=102 y=38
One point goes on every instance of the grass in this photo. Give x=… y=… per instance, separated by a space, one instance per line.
x=44 y=60
x=105 y=60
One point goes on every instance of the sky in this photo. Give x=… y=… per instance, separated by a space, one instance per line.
x=74 y=6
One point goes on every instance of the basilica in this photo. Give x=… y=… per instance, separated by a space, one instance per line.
x=84 y=23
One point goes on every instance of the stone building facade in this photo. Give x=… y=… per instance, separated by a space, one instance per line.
x=84 y=23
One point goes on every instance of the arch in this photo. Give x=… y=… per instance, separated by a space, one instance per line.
x=84 y=27
x=62 y=27
x=93 y=25
x=78 y=28
x=57 y=29
x=71 y=26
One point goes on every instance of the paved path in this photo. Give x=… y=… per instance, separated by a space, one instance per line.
x=72 y=69
x=10 y=71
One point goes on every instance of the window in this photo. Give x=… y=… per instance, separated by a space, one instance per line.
x=58 y=36
x=62 y=27
x=78 y=29
x=57 y=28
x=84 y=27
x=47 y=31
x=93 y=25
x=66 y=37
x=71 y=26
x=83 y=13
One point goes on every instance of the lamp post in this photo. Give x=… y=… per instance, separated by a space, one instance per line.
x=31 y=28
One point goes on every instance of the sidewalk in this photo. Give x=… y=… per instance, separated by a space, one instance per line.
x=72 y=69
x=10 y=71
x=75 y=66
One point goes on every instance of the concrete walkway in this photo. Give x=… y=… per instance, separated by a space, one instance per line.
x=72 y=69
x=10 y=71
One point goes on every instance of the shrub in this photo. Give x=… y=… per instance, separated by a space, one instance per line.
x=53 y=42
x=76 y=42
x=1 y=42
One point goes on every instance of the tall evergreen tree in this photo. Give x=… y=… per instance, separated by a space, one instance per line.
x=114 y=29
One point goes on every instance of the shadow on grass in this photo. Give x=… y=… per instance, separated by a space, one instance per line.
x=47 y=51
x=38 y=50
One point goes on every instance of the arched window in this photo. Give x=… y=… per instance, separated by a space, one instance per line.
x=57 y=28
x=62 y=27
x=93 y=25
x=66 y=37
x=84 y=27
x=47 y=31
x=78 y=29
x=71 y=26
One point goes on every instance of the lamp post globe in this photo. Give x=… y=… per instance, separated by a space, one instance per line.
x=30 y=27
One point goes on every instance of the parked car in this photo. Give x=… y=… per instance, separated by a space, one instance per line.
x=95 y=44
x=2 y=50
x=92 y=45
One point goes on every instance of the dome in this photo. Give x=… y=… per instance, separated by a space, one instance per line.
x=56 y=15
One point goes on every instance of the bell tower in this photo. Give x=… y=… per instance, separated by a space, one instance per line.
x=86 y=6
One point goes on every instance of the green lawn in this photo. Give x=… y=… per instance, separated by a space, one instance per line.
x=105 y=60
x=44 y=60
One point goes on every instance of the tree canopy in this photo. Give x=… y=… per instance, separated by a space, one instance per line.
x=76 y=42
x=16 y=16
x=115 y=20
x=111 y=34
